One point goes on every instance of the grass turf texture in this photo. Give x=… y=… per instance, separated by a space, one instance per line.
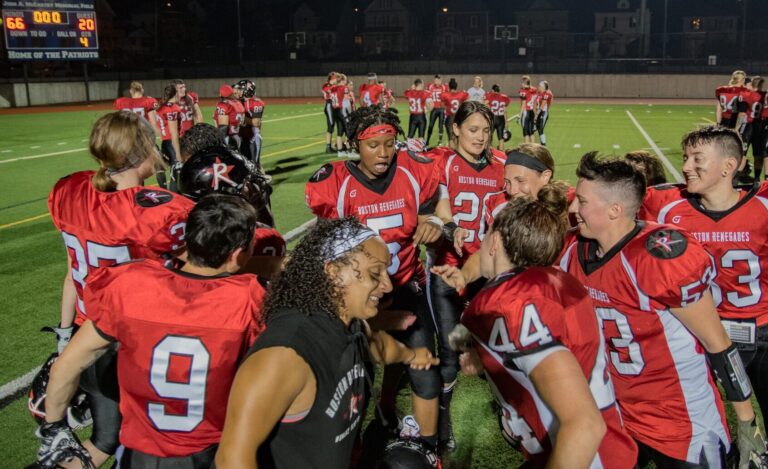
x=32 y=258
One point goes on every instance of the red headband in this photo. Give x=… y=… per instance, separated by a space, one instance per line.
x=376 y=131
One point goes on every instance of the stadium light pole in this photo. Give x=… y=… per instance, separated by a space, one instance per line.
x=743 y=27
x=239 y=37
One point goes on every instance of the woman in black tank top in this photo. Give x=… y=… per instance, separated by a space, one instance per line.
x=298 y=400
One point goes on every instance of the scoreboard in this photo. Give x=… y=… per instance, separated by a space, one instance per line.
x=50 y=30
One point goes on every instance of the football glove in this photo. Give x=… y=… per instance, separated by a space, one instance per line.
x=63 y=335
x=752 y=447
x=58 y=444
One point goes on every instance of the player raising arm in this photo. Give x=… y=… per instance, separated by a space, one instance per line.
x=650 y=285
x=299 y=399
x=535 y=334
x=201 y=330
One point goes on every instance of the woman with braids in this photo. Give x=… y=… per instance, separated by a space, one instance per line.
x=393 y=193
x=298 y=400
x=468 y=175
x=533 y=331
x=108 y=217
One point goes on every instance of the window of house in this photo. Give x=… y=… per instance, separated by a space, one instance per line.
x=380 y=19
x=696 y=24
x=473 y=21
x=393 y=20
x=632 y=22
x=613 y=22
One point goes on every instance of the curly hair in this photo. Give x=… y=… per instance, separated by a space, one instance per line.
x=304 y=284
x=199 y=137
x=364 y=117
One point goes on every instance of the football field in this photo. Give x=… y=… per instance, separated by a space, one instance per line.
x=39 y=148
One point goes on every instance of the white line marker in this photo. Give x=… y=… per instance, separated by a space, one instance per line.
x=669 y=112
x=6 y=151
x=567 y=110
x=61 y=143
x=84 y=140
x=616 y=146
x=44 y=155
x=299 y=230
x=9 y=389
x=587 y=110
x=667 y=163
x=577 y=145
x=645 y=111
x=35 y=147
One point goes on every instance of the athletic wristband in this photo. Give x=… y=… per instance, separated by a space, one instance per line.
x=448 y=230
x=435 y=220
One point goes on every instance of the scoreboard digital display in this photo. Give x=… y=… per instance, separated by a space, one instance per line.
x=50 y=30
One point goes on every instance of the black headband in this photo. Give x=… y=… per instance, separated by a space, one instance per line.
x=522 y=159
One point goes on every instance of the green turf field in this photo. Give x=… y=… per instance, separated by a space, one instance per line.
x=37 y=149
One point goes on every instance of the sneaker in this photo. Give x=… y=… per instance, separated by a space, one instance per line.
x=328 y=149
x=409 y=428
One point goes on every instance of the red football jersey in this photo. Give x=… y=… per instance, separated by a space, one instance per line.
x=417 y=100
x=518 y=319
x=452 y=100
x=498 y=102
x=528 y=96
x=105 y=228
x=666 y=392
x=268 y=242
x=544 y=100
x=178 y=356
x=737 y=239
x=168 y=112
x=751 y=103
x=337 y=95
x=493 y=203
x=370 y=93
x=728 y=97
x=389 y=205
x=386 y=98
x=254 y=109
x=326 y=89
x=466 y=186
x=187 y=112
x=234 y=110
x=141 y=106
x=437 y=92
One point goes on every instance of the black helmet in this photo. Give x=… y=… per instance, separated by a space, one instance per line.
x=78 y=411
x=248 y=87
x=409 y=454
x=506 y=135
x=224 y=171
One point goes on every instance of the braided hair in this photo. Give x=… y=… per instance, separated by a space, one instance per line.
x=365 y=117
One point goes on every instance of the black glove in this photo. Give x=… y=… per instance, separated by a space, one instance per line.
x=58 y=444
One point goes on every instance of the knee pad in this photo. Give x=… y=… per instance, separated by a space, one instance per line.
x=426 y=384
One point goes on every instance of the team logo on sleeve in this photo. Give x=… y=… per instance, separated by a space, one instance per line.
x=322 y=174
x=666 y=244
x=150 y=198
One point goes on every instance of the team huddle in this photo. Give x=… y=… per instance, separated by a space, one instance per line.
x=191 y=339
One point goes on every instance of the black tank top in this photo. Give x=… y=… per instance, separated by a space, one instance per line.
x=325 y=436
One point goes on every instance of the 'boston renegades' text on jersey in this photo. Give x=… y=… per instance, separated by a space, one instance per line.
x=664 y=387
x=389 y=205
x=736 y=238
x=520 y=318
x=105 y=228
x=466 y=186
x=177 y=357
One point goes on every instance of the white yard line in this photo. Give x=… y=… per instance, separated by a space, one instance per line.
x=9 y=389
x=672 y=170
x=45 y=155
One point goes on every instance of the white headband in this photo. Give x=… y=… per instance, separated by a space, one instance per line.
x=347 y=241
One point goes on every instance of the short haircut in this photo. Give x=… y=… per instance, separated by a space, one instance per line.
x=525 y=80
x=726 y=141
x=216 y=227
x=623 y=179
x=199 y=137
x=649 y=164
x=532 y=231
x=417 y=81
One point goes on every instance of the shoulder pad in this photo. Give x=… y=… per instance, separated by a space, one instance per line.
x=666 y=243
x=419 y=158
x=665 y=187
x=323 y=173
x=152 y=198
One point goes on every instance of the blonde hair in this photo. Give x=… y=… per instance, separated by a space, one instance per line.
x=526 y=80
x=540 y=152
x=737 y=76
x=119 y=141
x=137 y=87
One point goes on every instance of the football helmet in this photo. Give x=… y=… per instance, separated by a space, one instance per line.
x=248 y=87
x=506 y=135
x=78 y=411
x=409 y=453
x=224 y=171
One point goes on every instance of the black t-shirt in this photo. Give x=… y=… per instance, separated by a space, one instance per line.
x=325 y=436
